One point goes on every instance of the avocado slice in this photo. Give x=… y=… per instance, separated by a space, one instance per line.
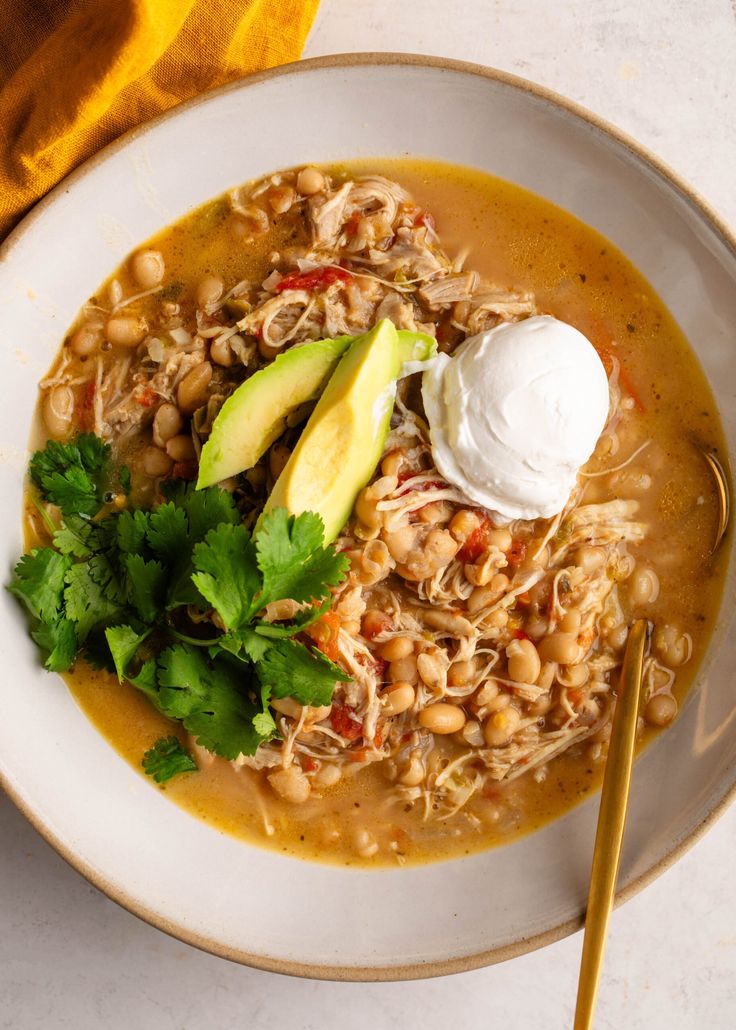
x=255 y=415
x=342 y=442
x=416 y=346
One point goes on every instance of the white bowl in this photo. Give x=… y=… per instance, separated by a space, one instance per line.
x=111 y=824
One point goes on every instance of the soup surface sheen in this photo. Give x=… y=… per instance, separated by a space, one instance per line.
x=521 y=243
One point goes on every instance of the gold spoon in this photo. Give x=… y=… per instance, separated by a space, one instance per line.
x=616 y=783
x=611 y=821
x=724 y=494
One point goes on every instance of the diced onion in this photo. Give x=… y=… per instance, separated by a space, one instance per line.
x=180 y=336
x=305 y=265
x=156 y=349
x=271 y=281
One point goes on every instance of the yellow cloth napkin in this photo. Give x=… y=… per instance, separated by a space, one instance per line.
x=74 y=74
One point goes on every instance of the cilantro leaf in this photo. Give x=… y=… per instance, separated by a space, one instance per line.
x=146 y=584
x=59 y=640
x=38 y=580
x=264 y=722
x=242 y=643
x=211 y=698
x=167 y=758
x=131 y=529
x=184 y=680
x=93 y=595
x=168 y=532
x=293 y=560
x=176 y=526
x=146 y=680
x=227 y=573
x=93 y=452
x=290 y=669
x=204 y=509
x=80 y=536
x=105 y=575
x=168 y=537
x=70 y=474
x=73 y=539
x=124 y=642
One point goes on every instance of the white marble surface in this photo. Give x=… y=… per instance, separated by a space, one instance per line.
x=665 y=71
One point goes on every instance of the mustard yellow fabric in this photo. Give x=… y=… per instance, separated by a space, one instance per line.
x=74 y=74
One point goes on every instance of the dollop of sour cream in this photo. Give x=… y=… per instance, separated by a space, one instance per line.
x=515 y=413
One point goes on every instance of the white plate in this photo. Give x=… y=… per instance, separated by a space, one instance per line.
x=243 y=902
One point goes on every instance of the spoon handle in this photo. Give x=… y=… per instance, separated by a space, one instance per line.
x=611 y=823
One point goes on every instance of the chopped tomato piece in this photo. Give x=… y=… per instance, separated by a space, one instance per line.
x=147 y=397
x=351 y=226
x=516 y=552
x=519 y=634
x=316 y=279
x=309 y=764
x=424 y=218
x=345 y=723
x=476 y=543
x=325 y=633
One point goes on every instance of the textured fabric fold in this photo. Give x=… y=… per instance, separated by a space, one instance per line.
x=75 y=74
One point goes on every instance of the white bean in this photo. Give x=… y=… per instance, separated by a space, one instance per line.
x=167 y=423
x=209 y=290
x=58 y=411
x=643 y=586
x=442 y=718
x=126 y=330
x=156 y=462
x=85 y=340
x=192 y=390
x=310 y=181
x=398 y=698
x=148 y=268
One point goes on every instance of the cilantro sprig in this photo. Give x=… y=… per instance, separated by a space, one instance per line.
x=167 y=758
x=72 y=474
x=120 y=589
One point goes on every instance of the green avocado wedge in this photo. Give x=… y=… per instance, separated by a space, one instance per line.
x=343 y=440
x=255 y=415
x=415 y=346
